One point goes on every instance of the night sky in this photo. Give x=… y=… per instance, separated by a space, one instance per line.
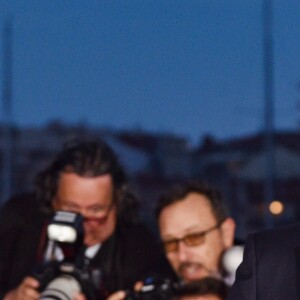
x=184 y=67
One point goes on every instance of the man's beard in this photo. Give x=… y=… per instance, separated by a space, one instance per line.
x=92 y=233
x=189 y=271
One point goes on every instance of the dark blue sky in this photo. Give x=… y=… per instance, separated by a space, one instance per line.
x=187 y=67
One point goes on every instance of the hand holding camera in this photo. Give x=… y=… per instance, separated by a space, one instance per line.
x=65 y=273
x=27 y=290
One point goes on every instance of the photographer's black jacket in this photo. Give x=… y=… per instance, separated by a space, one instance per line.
x=271 y=266
x=124 y=258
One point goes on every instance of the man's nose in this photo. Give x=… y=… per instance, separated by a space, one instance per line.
x=182 y=251
x=82 y=212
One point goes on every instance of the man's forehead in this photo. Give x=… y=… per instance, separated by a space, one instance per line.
x=74 y=180
x=194 y=213
x=86 y=175
x=193 y=203
x=73 y=187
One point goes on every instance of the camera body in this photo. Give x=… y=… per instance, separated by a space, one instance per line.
x=65 y=271
x=154 y=288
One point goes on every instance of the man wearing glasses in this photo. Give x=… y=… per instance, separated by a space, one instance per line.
x=195 y=229
x=85 y=178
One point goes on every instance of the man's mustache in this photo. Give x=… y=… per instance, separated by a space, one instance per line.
x=197 y=265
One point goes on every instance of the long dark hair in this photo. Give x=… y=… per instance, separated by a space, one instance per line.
x=87 y=158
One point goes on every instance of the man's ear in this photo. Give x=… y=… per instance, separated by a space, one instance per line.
x=228 y=231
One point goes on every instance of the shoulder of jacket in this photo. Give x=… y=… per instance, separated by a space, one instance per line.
x=20 y=208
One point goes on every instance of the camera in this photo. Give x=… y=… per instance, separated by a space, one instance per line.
x=65 y=271
x=155 y=288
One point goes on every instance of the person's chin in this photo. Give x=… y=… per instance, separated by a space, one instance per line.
x=91 y=240
x=193 y=272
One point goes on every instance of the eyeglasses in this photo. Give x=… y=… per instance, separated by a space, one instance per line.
x=193 y=239
x=95 y=211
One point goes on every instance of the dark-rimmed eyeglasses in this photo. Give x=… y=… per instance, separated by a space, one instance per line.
x=94 y=211
x=192 y=239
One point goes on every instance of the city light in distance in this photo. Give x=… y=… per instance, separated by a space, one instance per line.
x=276 y=207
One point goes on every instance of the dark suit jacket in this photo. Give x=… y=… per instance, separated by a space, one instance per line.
x=271 y=266
x=123 y=259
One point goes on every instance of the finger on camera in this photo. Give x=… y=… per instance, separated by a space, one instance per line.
x=31 y=282
x=79 y=297
x=27 y=289
x=30 y=293
x=138 y=286
x=120 y=295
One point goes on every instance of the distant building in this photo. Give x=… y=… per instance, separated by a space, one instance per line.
x=238 y=167
x=169 y=155
x=156 y=161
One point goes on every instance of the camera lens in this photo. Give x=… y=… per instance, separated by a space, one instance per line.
x=64 y=287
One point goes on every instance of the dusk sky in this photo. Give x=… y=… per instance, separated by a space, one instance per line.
x=184 y=67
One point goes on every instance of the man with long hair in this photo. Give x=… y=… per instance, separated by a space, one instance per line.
x=86 y=178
